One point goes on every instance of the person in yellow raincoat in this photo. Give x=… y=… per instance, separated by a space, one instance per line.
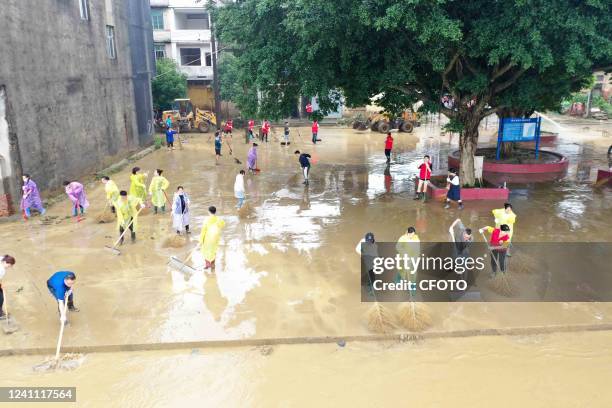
x=128 y=208
x=112 y=192
x=505 y=216
x=157 y=191
x=209 y=238
x=137 y=184
x=408 y=244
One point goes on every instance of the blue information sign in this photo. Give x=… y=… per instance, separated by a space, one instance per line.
x=519 y=130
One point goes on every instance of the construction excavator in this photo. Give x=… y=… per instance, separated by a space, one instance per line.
x=383 y=122
x=189 y=117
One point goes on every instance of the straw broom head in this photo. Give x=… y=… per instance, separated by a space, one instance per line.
x=503 y=285
x=414 y=316
x=105 y=217
x=175 y=241
x=380 y=319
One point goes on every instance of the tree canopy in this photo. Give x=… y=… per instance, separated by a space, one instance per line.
x=169 y=84
x=482 y=56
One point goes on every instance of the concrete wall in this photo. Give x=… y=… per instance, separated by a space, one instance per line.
x=69 y=105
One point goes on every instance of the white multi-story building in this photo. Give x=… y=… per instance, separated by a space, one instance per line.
x=181 y=31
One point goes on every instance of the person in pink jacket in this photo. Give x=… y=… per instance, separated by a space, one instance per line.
x=76 y=194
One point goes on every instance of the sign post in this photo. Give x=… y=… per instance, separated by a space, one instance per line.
x=519 y=130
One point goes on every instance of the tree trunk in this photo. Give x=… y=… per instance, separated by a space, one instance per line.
x=468 y=142
x=507 y=149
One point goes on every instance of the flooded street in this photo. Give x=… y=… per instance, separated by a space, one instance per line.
x=288 y=269
x=533 y=371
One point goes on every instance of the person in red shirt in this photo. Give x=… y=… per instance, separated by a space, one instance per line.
x=229 y=125
x=315 y=131
x=308 y=108
x=498 y=246
x=424 y=177
x=251 y=127
x=388 y=146
x=265 y=130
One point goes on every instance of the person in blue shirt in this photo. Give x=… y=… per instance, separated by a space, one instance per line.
x=218 y=143
x=170 y=138
x=304 y=160
x=60 y=286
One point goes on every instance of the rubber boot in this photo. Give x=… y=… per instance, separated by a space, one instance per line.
x=187 y=229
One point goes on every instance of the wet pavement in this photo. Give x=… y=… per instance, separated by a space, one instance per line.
x=288 y=267
x=570 y=370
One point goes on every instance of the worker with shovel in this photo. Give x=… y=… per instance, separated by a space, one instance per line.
x=7 y=262
x=127 y=214
x=60 y=285
x=157 y=191
x=210 y=236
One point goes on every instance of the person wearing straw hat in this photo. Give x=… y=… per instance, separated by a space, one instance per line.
x=6 y=262
x=127 y=214
x=60 y=285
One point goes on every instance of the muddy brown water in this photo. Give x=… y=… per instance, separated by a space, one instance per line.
x=288 y=268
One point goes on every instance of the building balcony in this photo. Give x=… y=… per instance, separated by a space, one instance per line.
x=197 y=72
x=190 y=36
x=161 y=36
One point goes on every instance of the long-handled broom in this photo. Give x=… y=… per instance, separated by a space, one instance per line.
x=69 y=361
x=182 y=266
x=8 y=327
x=379 y=318
x=114 y=249
x=414 y=316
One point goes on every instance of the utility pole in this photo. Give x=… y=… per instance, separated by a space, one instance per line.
x=217 y=108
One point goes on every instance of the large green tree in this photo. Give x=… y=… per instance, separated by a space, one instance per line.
x=489 y=56
x=169 y=84
x=233 y=89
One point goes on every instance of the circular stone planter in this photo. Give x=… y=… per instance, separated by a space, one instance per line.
x=435 y=192
x=526 y=169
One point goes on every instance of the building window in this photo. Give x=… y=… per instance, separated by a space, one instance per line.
x=111 y=50
x=191 y=56
x=599 y=78
x=157 y=19
x=160 y=51
x=197 y=21
x=84 y=9
x=208 y=59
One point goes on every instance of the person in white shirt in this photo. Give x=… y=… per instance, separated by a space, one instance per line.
x=454 y=189
x=239 y=189
x=7 y=262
